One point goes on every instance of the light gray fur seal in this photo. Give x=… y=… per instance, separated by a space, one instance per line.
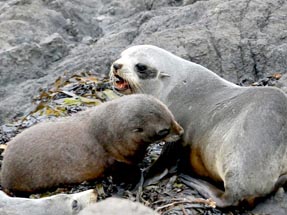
x=82 y=147
x=61 y=204
x=237 y=136
x=117 y=206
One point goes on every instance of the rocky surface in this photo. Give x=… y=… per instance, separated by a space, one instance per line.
x=241 y=40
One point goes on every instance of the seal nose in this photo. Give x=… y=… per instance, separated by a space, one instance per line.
x=117 y=66
x=178 y=129
x=175 y=134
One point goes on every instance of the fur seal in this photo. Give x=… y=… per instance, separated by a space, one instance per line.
x=115 y=206
x=237 y=136
x=61 y=204
x=81 y=147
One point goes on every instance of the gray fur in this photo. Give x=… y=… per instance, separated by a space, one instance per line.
x=237 y=135
x=115 y=206
x=61 y=204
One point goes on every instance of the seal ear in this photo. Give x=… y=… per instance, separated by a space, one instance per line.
x=163 y=75
x=76 y=206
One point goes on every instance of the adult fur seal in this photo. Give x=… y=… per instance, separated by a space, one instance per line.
x=237 y=135
x=81 y=147
x=61 y=204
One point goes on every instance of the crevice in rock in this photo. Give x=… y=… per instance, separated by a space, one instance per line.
x=214 y=46
x=238 y=76
x=263 y=23
x=149 y=4
x=269 y=11
x=242 y=15
x=154 y=4
x=189 y=2
x=257 y=74
x=77 y=25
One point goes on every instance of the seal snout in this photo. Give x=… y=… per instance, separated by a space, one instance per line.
x=119 y=80
x=117 y=66
x=178 y=129
x=175 y=134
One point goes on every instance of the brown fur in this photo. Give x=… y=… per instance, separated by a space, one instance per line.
x=82 y=147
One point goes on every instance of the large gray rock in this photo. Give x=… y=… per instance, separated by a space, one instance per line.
x=40 y=39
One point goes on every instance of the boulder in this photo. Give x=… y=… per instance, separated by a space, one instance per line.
x=241 y=40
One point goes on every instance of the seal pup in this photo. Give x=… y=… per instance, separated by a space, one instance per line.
x=116 y=206
x=82 y=147
x=61 y=204
x=236 y=136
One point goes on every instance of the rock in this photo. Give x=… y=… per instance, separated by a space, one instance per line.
x=61 y=204
x=238 y=39
x=117 y=206
x=33 y=59
x=54 y=48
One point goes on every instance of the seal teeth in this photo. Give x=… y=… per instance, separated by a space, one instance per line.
x=120 y=83
x=118 y=78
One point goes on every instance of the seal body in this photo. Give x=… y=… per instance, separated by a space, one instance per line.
x=82 y=147
x=237 y=136
x=61 y=204
x=115 y=206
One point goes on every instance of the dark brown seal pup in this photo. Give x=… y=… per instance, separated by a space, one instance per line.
x=237 y=136
x=81 y=147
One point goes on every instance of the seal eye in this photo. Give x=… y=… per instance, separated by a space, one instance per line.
x=138 y=130
x=141 y=67
x=75 y=205
x=163 y=133
x=145 y=72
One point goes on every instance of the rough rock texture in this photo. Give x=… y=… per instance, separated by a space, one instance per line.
x=241 y=40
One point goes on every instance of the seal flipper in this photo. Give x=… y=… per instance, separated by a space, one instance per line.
x=281 y=182
x=166 y=163
x=207 y=190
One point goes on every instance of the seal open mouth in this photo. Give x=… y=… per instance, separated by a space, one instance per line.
x=120 y=83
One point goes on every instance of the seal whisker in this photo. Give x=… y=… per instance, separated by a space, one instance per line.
x=138 y=86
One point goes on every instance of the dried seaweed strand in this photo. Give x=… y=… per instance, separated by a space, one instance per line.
x=183 y=210
x=208 y=202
